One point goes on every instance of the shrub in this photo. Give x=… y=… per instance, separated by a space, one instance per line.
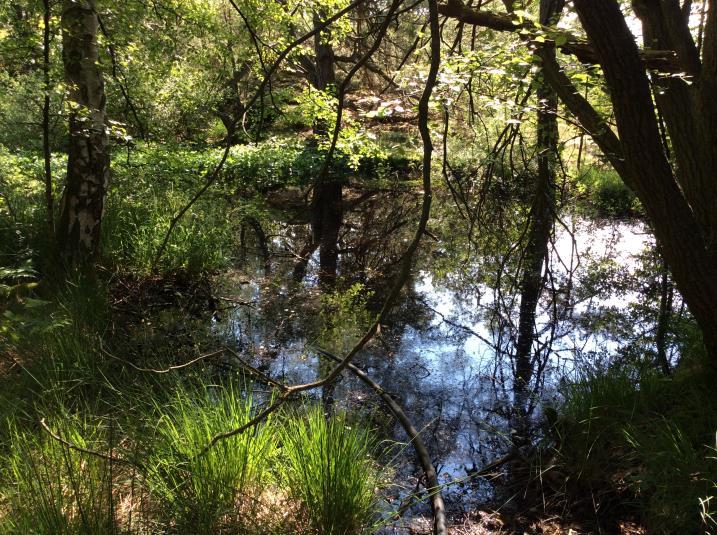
x=608 y=196
x=641 y=439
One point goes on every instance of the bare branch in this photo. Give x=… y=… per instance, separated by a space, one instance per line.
x=163 y=370
x=80 y=449
x=424 y=457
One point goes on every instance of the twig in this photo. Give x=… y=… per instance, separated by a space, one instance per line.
x=256 y=371
x=165 y=370
x=80 y=449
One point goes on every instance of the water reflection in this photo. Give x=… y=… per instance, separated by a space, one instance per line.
x=442 y=355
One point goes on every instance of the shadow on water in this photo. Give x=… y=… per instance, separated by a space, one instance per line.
x=445 y=353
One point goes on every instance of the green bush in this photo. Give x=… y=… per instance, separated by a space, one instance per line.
x=23 y=230
x=607 y=194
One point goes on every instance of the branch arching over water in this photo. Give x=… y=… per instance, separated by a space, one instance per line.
x=403 y=276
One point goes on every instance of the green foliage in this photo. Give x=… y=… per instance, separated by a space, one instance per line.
x=312 y=106
x=330 y=471
x=149 y=189
x=46 y=487
x=607 y=195
x=154 y=182
x=55 y=341
x=345 y=317
x=22 y=209
x=642 y=438
x=220 y=488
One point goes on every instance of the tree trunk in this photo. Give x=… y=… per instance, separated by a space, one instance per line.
x=328 y=201
x=645 y=166
x=542 y=216
x=327 y=212
x=324 y=52
x=47 y=156
x=88 y=164
x=663 y=318
x=681 y=205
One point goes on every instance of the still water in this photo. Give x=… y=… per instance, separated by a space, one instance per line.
x=445 y=355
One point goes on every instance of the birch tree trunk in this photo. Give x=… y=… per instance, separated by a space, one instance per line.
x=88 y=164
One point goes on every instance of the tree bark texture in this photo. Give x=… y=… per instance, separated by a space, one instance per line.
x=88 y=165
x=681 y=220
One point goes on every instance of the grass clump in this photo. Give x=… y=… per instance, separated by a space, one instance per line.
x=219 y=489
x=330 y=471
x=49 y=488
x=641 y=442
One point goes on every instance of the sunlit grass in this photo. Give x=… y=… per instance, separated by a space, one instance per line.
x=204 y=492
x=330 y=470
x=49 y=488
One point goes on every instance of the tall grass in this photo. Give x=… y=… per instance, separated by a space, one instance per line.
x=290 y=474
x=134 y=227
x=642 y=440
x=222 y=487
x=330 y=471
x=51 y=489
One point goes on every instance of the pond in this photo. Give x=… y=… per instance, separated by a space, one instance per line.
x=445 y=354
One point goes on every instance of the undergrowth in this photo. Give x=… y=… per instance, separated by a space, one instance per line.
x=221 y=488
x=90 y=445
x=331 y=471
x=151 y=183
x=639 y=441
x=605 y=195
